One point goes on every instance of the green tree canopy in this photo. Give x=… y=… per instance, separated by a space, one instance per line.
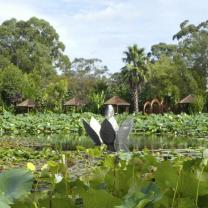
x=12 y=82
x=87 y=76
x=135 y=71
x=32 y=45
x=170 y=79
x=55 y=93
x=163 y=49
x=193 y=48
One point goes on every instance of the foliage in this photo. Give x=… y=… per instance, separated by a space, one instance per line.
x=33 y=65
x=32 y=45
x=122 y=180
x=42 y=123
x=118 y=86
x=31 y=55
x=168 y=78
x=52 y=123
x=54 y=94
x=14 y=184
x=96 y=101
x=12 y=82
x=177 y=70
x=135 y=71
x=87 y=76
x=198 y=104
x=169 y=123
x=89 y=67
x=162 y=49
x=18 y=155
x=193 y=41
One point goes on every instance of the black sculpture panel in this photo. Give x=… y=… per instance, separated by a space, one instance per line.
x=108 y=134
x=91 y=133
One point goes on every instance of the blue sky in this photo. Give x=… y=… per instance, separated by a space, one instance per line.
x=104 y=28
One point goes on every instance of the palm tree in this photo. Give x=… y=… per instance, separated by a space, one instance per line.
x=135 y=71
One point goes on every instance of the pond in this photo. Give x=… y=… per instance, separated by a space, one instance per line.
x=153 y=142
x=136 y=142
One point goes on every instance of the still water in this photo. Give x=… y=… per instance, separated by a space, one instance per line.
x=166 y=142
x=136 y=142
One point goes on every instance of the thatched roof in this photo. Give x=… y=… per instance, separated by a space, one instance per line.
x=75 y=102
x=116 y=100
x=187 y=99
x=27 y=103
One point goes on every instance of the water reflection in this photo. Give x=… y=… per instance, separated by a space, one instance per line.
x=140 y=142
x=136 y=142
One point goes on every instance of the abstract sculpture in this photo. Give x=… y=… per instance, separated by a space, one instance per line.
x=109 y=133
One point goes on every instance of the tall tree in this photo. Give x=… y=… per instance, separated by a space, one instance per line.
x=89 y=67
x=193 y=47
x=32 y=45
x=162 y=49
x=118 y=85
x=55 y=93
x=87 y=76
x=168 y=78
x=135 y=71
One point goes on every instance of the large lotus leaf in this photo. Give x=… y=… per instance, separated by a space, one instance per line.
x=14 y=184
x=186 y=203
x=190 y=177
x=142 y=195
x=166 y=176
x=99 y=199
x=143 y=203
x=4 y=205
x=24 y=204
x=202 y=201
x=133 y=198
x=120 y=180
x=57 y=201
x=152 y=192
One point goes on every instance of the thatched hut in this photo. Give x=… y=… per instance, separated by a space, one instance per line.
x=26 y=104
x=185 y=103
x=75 y=102
x=188 y=99
x=118 y=102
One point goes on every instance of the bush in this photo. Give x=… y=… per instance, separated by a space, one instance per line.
x=198 y=104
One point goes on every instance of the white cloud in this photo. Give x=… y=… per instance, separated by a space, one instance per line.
x=11 y=9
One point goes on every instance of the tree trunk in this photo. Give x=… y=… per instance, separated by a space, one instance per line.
x=135 y=97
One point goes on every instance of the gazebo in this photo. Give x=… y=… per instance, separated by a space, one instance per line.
x=185 y=102
x=75 y=102
x=27 y=104
x=116 y=102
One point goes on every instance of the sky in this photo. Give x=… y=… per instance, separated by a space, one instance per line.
x=105 y=28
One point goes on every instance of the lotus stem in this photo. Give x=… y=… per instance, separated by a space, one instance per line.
x=197 y=191
x=176 y=189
